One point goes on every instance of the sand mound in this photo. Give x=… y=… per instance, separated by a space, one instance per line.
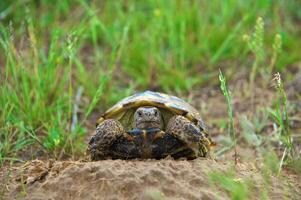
x=119 y=179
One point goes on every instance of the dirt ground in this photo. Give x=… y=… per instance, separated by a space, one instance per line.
x=136 y=179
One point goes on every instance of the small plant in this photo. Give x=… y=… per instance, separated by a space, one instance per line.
x=153 y=194
x=280 y=115
x=237 y=189
x=256 y=45
x=277 y=48
x=249 y=132
x=231 y=128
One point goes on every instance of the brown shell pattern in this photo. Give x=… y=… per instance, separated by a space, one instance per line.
x=149 y=98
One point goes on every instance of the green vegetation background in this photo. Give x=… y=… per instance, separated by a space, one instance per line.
x=63 y=60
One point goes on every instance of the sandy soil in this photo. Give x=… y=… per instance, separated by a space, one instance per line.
x=120 y=179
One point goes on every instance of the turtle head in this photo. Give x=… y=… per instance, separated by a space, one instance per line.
x=147 y=117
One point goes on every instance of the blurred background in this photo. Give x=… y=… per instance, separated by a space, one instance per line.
x=64 y=62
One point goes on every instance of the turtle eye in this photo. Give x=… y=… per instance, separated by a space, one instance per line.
x=156 y=113
x=139 y=113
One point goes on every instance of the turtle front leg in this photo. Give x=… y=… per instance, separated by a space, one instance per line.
x=188 y=133
x=106 y=134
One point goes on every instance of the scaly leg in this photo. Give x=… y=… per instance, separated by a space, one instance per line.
x=188 y=133
x=106 y=134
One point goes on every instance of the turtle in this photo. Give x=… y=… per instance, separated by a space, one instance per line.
x=149 y=125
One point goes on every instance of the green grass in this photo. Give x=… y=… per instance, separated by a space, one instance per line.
x=255 y=44
x=237 y=189
x=281 y=117
x=63 y=61
x=263 y=62
x=231 y=128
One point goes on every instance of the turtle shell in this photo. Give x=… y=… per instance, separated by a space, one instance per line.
x=168 y=105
